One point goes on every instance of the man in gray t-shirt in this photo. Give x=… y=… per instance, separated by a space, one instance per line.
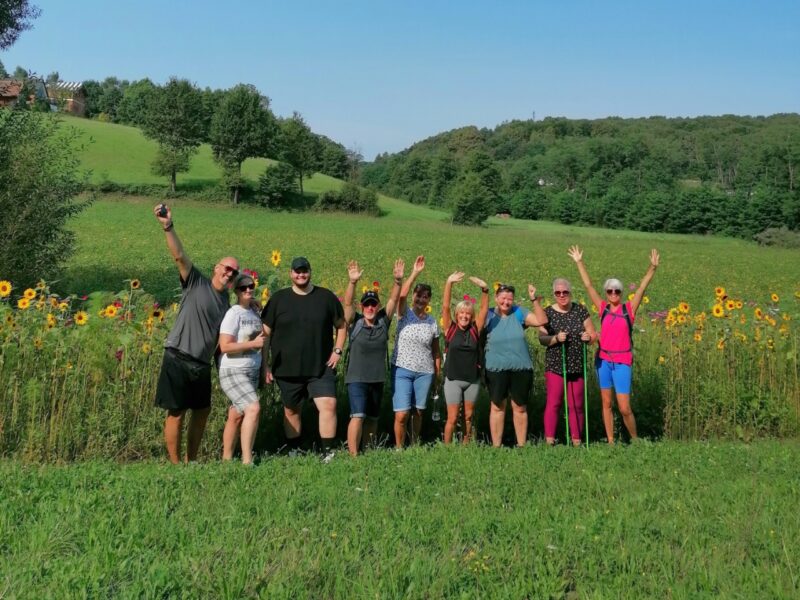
x=185 y=379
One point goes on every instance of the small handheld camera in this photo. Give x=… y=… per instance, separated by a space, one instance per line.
x=162 y=210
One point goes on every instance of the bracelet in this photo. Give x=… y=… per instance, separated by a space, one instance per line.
x=398 y=281
x=169 y=227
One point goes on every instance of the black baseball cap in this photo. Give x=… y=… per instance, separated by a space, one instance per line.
x=370 y=296
x=300 y=262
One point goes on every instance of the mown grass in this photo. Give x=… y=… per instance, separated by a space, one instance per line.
x=646 y=521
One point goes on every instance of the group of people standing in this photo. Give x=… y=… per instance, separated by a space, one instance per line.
x=297 y=340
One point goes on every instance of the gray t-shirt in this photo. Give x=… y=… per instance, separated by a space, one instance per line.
x=244 y=324
x=366 y=355
x=196 y=329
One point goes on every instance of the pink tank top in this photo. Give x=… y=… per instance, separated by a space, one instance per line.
x=615 y=338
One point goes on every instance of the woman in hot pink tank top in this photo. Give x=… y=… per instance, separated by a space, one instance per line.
x=615 y=354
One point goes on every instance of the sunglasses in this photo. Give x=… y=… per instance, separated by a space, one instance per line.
x=506 y=288
x=242 y=288
x=560 y=293
x=229 y=270
x=613 y=292
x=370 y=305
x=300 y=270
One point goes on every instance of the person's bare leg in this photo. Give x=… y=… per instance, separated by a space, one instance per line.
x=249 y=429
x=497 y=421
x=354 y=431
x=173 y=426
x=469 y=412
x=327 y=416
x=291 y=421
x=624 y=405
x=608 y=415
x=230 y=433
x=416 y=425
x=450 y=424
x=400 y=422
x=197 y=426
x=519 y=412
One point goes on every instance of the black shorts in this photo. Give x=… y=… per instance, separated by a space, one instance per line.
x=294 y=390
x=514 y=384
x=184 y=382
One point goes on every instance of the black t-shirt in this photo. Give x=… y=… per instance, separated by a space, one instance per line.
x=572 y=323
x=463 y=356
x=367 y=352
x=302 y=330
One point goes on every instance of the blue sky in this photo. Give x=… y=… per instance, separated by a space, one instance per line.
x=382 y=75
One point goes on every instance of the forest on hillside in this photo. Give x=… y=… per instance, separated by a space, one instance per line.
x=731 y=175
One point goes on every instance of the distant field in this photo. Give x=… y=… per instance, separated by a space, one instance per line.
x=118 y=238
x=669 y=520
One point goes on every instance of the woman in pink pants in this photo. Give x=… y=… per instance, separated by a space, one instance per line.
x=569 y=327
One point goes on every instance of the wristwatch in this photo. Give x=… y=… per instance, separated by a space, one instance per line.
x=337 y=351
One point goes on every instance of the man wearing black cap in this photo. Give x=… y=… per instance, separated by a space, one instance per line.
x=185 y=379
x=300 y=321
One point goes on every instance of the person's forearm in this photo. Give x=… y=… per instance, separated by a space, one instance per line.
x=341 y=333
x=349 y=312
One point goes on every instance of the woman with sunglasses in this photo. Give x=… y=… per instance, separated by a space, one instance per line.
x=241 y=337
x=366 y=354
x=509 y=368
x=615 y=353
x=416 y=359
x=463 y=347
x=569 y=327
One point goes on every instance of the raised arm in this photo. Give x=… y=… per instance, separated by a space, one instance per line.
x=164 y=215
x=447 y=314
x=480 y=318
x=651 y=270
x=577 y=255
x=537 y=317
x=354 y=274
x=397 y=274
x=402 y=305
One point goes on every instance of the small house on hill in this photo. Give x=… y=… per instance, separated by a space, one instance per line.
x=9 y=91
x=68 y=96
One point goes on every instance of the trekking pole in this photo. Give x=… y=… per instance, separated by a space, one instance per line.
x=566 y=407
x=585 y=399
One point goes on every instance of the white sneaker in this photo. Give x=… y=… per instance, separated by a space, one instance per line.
x=328 y=456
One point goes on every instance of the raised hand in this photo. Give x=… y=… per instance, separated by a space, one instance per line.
x=419 y=264
x=354 y=272
x=654 y=257
x=455 y=277
x=399 y=269
x=575 y=253
x=531 y=292
x=165 y=218
x=479 y=282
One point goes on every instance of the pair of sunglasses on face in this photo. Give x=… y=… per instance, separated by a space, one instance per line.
x=250 y=287
x=229 y=270
x=561 y=293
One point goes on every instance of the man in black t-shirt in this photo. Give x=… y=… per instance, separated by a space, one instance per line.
x=300 y=322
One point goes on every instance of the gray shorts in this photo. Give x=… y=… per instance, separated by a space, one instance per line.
x=457 y=391
x=240 y=386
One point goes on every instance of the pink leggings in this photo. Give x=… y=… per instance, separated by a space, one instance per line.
x=553 y=411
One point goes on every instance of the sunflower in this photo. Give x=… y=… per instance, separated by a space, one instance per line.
x=719 y=292
x=264 y=294
x=5 y=288
x=428 y=309
x=51 y=321
x=30 y=294
x=684 y=307
x=23 y=303
x=135 y=284
x=718 y=311
x=645 y=300
x=41 y=284
x=275 y=259
x=111 y=311
x=146 y=348
x=670 y=320
x=739 y=304
x=661 y=360
x=774 y=297
x=698 y=336
x=786 y=317
x=62 y=306
x=630 y=296
x=53 y=301
x=364 y=289
x=730 y=304
x=496 y=285
x=157 y=314
x=759 y=314
x=174 y=306
x=682 y=319
x=9 y=319
x=81 y=318
x=720 y=343
x=38 y=343
x=40 y=305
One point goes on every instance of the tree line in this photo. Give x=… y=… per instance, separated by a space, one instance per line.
x=731 y=175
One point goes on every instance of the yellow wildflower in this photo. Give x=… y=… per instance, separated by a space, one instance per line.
x=62 y=306
x=276 y=258
x=146 y=348
x=81 y=318
x=718 y=311
x=111 y=311
x=730 y=304
x=23 y=303
x=683 y=307
x=719 y=292
x=698 y=336
x=721 y=344
x=38 y=343
x=135 y=284
x=774 y=297
x=5 y=288
x=29 y=294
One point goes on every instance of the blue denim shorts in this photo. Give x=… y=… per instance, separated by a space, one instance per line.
x=410 y=389
x=613 y=375
x=365 y=399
